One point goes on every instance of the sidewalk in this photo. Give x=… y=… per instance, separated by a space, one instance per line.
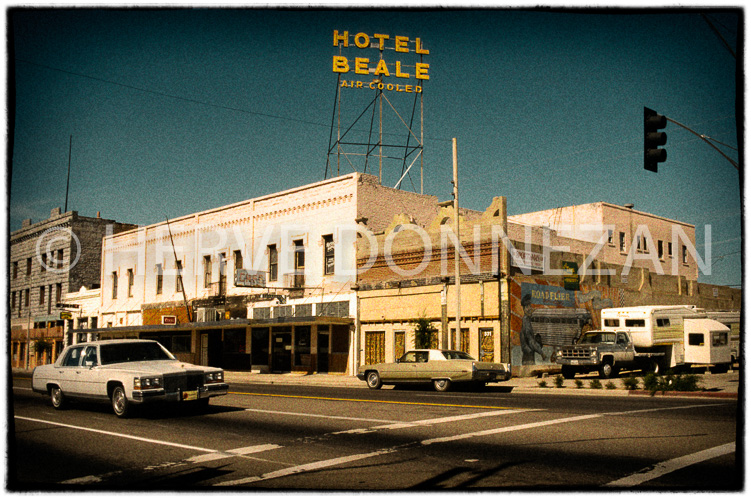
x=713 y=385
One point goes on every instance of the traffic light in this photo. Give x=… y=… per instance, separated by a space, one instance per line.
x=652 y=139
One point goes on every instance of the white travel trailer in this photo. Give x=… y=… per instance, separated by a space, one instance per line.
x=678 y=335
x=732 y=319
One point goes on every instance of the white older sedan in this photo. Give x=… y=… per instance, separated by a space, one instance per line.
x=441 y=367
x=125 y=372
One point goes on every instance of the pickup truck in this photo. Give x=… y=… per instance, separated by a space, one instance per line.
x=604 y=351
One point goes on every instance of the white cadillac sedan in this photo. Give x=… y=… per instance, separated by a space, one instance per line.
x=125 y=373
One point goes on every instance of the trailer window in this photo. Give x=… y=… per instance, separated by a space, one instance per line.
x=635 y=323
x=719 y=338
x=696 y=339
x=663 y=322
x=612 y=322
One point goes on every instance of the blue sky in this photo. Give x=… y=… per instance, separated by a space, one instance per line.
x=178 y=111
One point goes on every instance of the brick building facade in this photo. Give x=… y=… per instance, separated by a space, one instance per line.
x=413 y=277
x=48 y=259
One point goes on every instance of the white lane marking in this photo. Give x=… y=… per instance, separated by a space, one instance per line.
x=120 y=435
x=671 y=465
x=655 y=409
x=300 y=414
x=203 y=458
x=505 y=429
x=305 y=467
x=428 y=422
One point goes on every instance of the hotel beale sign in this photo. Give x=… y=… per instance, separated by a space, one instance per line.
x=399 y=73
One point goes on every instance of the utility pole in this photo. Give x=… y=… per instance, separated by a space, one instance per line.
x=457 y=276
x=67 y=185
x=503 y=289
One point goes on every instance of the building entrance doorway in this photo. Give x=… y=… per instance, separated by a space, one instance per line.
x=323 y=353
x=281 y=352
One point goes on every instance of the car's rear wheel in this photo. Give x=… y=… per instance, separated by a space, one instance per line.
x=374 y=380
x=120 y=403
x=441 y=385
x=57 y=397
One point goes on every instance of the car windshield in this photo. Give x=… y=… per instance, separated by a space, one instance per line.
x=457 y=356
x=598 y=337
x=132 y=352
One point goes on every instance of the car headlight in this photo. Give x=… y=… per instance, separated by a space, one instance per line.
x=593 y=353
x=215 y=377
x=147 y=383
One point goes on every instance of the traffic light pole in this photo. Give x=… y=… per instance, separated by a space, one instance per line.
x=705 y=139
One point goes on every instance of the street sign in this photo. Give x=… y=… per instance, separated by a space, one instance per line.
x=250 y=278
x=66 y=315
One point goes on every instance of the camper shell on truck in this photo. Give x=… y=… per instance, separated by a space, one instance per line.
x=684 y=334
x=732 y=319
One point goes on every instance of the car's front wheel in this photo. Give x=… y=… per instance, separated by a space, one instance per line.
x=374 y=380
x=57 y=397
x=120 y=403
x=441 y=385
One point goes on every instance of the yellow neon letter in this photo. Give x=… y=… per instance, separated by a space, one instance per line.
x=398 y=73
x=421 y=71
x=340 y=64
x=402 y=43
x=381 y=69
x=362 y=40
x=381 y=40
x=361 y=65
x=418 y=47
x=344 y=37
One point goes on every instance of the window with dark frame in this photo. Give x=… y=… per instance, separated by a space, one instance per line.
x=159 y=278
x=622 y=241
x=179 y=276
x=273 y=263
x=206 y=271
x=328 y=254
x=114 y=285
x=299 y=263
x=131 y=281
x=238 y=255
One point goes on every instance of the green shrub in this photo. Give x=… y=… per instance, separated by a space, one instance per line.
x=542 y=384
x=579 y=383
x=651 y=382
x=559 y=381
x=631 y=383
x=610 y=385
x=686 y=383
x=595 y=384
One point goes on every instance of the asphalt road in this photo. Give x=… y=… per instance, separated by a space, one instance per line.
x=282 y=437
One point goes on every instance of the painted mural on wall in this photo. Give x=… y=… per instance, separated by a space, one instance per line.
x=545 y=315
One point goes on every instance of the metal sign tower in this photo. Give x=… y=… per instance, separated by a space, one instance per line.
x=378 y=106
